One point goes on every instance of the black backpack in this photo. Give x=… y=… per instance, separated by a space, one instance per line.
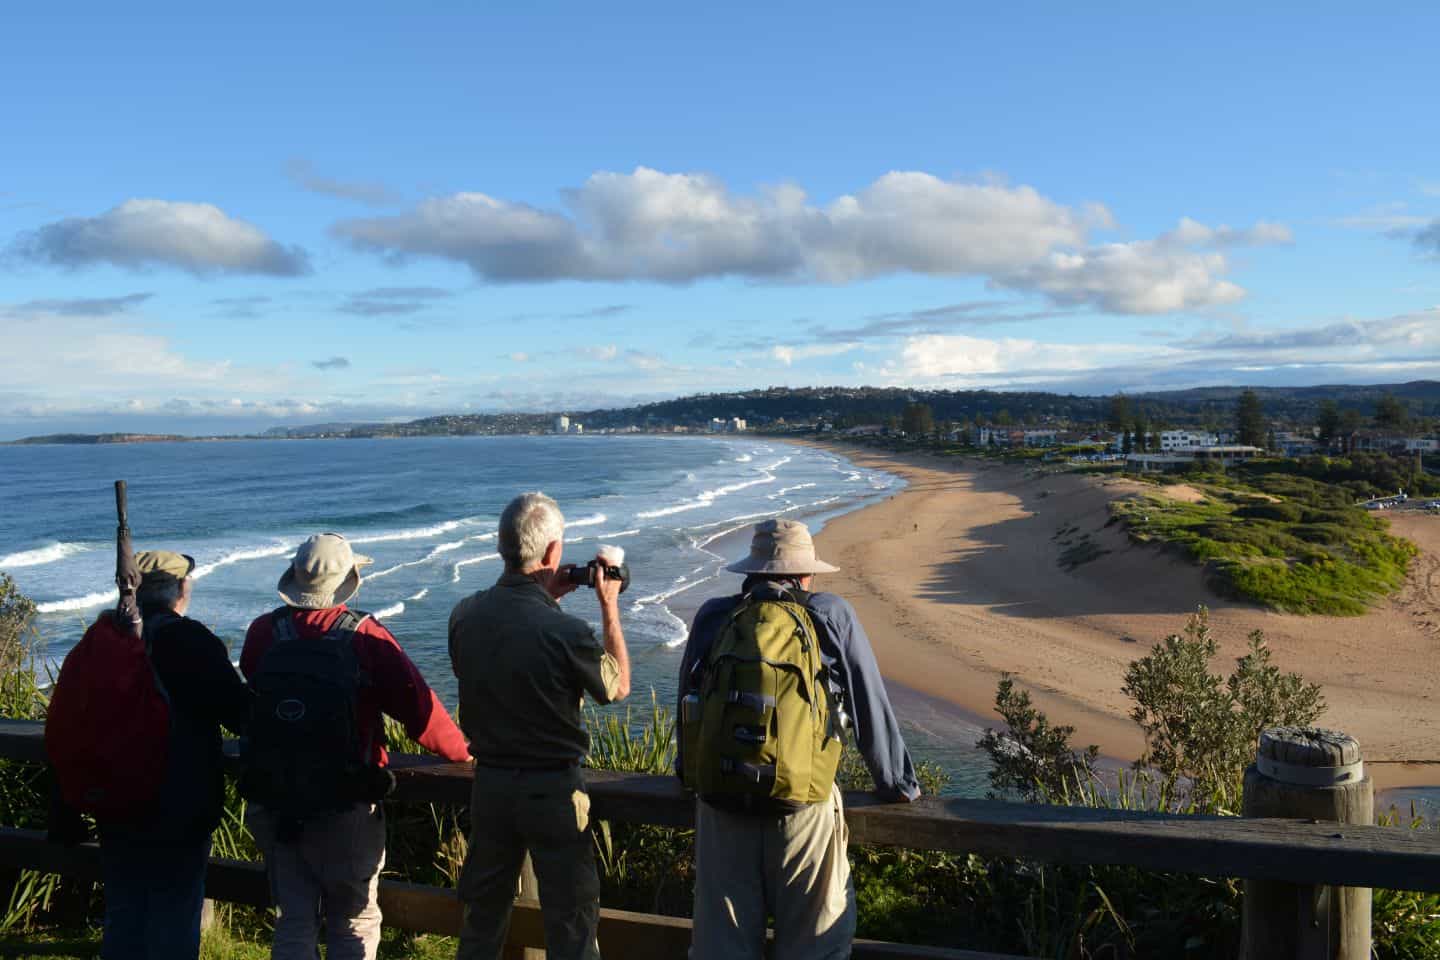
x=304 y=756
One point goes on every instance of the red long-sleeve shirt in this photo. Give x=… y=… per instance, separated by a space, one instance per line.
x=396 y=687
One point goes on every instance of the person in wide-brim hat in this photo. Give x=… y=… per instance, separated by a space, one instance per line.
x=324 y=573
x=782 y=547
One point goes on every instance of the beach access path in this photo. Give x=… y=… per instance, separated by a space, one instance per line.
x=958 y=579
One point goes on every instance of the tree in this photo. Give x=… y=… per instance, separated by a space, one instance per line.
x=1142 y=434
x=1127 y=445
x=1250 y=420
x=1120 y=415
x=1390 y=413
x=1327 y=421
x=918 y=421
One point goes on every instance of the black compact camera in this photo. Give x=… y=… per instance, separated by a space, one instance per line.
x=583 y=575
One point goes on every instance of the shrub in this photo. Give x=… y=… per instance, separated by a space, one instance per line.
x=1032 y=759
x=1200 y=727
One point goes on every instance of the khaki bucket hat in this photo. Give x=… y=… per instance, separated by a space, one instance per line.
x=782 y=547
x=324 y=573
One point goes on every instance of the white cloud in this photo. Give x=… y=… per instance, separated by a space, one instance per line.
x=1190 y=233
x=1140 y=277
x=789 y=353
x=682 y=227
x=198 y=237
x=603 y=353
x=930 y=358
x=1385 y=217
x=307 y=177
x=1343 y=351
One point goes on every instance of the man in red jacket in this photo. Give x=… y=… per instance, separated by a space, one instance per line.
x=324 y=842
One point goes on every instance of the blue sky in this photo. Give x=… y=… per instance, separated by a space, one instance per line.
x=310 y=212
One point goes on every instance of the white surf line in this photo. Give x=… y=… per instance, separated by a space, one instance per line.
x=455 y=572
x=664 y=595
x=618 y=534
x=706 y=497
x=434 y=552
x=420 y=595
x=277 y=549
x=102 y=597
x=418 y=533
x=79 y=603
x=589 y=521
x=42 y=555
x=394 y=610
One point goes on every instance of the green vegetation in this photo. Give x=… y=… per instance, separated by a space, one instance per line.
x=1285 y=541
x=1199 y=732
x=1201 y=728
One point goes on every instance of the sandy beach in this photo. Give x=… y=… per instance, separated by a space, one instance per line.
x=958 y=580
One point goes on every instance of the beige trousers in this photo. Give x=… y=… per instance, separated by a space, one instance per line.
x=331 y=870
x=791 y=867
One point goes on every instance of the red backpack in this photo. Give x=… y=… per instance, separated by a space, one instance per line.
x=107 y=732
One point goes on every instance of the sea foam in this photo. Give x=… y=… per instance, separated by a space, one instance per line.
x=42 y=555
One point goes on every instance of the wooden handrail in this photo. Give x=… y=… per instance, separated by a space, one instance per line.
x=423 y=909
x=1273 y=849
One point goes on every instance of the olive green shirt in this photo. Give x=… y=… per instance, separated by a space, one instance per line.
x=524 y=666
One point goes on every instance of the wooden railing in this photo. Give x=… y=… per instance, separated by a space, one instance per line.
x=1303 y=852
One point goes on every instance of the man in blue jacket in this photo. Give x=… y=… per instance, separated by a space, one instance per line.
x=789 y=863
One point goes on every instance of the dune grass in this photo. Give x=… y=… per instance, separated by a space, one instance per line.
x=1290 y=543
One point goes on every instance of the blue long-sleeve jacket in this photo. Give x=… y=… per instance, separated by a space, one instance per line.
x=854 y=680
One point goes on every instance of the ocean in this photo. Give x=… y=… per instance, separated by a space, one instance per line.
x=425 y=511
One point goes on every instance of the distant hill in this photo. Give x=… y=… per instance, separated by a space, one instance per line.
x=1210 y=407
x=87 y=438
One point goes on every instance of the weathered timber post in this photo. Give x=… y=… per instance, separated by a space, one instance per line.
x=528 y=889
x=1318 y=775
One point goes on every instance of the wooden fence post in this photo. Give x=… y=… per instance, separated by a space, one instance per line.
x=529 y=890
x=1319 y=775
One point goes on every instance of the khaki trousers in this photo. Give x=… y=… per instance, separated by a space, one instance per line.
x=546 y=812
x=332 y=869
x=793 y=867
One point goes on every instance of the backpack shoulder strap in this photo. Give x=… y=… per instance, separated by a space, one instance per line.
x=282 y=625
x=349 y=621
x=151 y=626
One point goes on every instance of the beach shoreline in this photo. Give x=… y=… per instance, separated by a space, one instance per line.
x=958 y=582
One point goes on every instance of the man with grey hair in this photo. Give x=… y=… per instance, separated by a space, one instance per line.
x=523 y=667
x=154 y=870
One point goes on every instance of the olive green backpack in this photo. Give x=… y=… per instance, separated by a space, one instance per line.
x=760 y=722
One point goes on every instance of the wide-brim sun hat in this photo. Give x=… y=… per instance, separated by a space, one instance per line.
x=782 y=547
x=324 y=573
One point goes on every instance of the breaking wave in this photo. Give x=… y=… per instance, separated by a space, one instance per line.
x=42 y=555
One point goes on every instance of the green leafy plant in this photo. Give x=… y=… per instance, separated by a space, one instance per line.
x=1200 y=726
x=1031 y=758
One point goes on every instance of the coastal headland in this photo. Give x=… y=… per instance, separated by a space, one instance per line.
x=966 y=575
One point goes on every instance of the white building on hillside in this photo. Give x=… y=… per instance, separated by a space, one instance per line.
x=562 y=424
x=1186 y=439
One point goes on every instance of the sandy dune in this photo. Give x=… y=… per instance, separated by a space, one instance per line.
x=958 y=579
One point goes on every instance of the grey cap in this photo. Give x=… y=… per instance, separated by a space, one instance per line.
x=324 y=573
x=782 y=547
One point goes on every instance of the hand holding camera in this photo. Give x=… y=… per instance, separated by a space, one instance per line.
x=608 y=574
